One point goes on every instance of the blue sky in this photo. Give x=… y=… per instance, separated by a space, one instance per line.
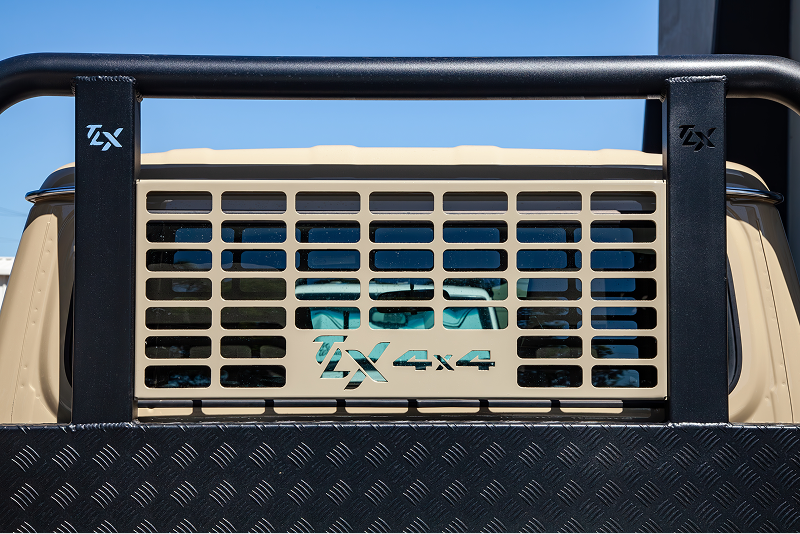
x=36 y=136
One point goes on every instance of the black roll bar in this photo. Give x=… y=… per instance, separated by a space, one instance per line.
x=230 y=77
x=108 y=89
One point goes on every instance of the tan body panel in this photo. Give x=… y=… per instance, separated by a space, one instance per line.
x=766 y=289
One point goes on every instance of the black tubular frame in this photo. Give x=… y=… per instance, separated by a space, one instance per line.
x=108 y=89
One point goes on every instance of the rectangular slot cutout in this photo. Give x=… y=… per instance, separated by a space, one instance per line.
x=475 y=289
x=332 y=318
x=623 y=289
x=401 y=232
x=253 y=232
x=327 y=260
x=327 y=289
x=623 y=260
x=548 y=202
x=401 y=260
x=549 y=289
x=606 y=376
x=549 y=318
x=474 y=318
x=177 y=318
x=549 y=347
x=327 y=232
x=549 y=260
x=624 y=347
x=251 y=318
x=623 y=231
x=178 y=260
x=253 y=288
x=178 y=289
x=254 y=260
x=177 y=376
x=401 y=318
x=475 y=232
x=178 y=232
x=254 y=202
x=401 y=289
x=624 y=318
x=623 y=202
x=549 y=232
x=475 y=260
x=252 y=347
x=328 y=202
x=252 y=376
x=176 y=347
x=475 y=202
x=178 y=202
x=401 y=202
x=549 y=376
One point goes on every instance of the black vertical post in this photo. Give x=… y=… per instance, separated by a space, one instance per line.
x=107 y=155
x=694 y=168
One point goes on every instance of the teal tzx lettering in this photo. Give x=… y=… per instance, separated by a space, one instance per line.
x=418 y=359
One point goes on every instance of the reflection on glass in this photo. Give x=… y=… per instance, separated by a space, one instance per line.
x=178 y=289
x=177 y=376
x=401 y=232
x=178 y=202
x=549 y=232
x=401 y=289
x=549 y=288
x=177 y=318
x=475 y=232
x=178 y=260
x=624 y=318
x=252 y=347
x=254 y=202
x=254 y=260
x=169 y=347
x=549 y=376
x=333 y=318
x=623 y=289
x=252 y=376
x=623 y=260
x=549 y=347
x=627 y=347
x=400 y=202
x=475 y=260
x=549 y=317
x=401 y=260
x=463 y=318
x=253 y=288
x=327 y=232
x=400 y=318
x=253 y=232
x=178 y=232
x=623 y=231
x=327 y=202
x=253 y=318
x=327 y=289
x=548 y=202
x=549 y=260
x=475 y=202
x=623 y=377
x=623 y=202
x=327 y=260
x=475 y=289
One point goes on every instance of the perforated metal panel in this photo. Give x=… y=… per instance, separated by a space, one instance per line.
x=570 y=304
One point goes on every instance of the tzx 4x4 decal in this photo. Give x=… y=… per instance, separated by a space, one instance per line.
x=418 y=359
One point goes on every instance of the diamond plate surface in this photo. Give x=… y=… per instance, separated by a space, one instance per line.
x=381 y=477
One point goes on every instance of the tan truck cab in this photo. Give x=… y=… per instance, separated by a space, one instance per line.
x=338 y=272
